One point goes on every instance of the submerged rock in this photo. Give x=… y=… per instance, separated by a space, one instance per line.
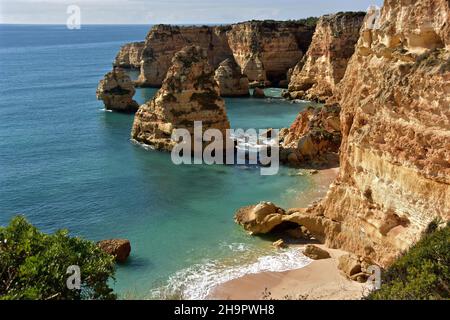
x=119 y=248
x=259 y=93
x=117 y=91
x=231 y=81
x=189 y=93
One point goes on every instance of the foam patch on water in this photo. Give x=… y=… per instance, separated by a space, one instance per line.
x=197 y=282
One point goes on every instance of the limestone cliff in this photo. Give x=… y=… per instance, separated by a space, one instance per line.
x=315 y=132
x=395 y=120
x=315 y=77
x=189 y=93
x=163 y=41
x=265 y=50
x=231 y=81
x=116 y=90
x=130 y=55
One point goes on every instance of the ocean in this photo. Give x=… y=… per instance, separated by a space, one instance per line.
x=66 y=163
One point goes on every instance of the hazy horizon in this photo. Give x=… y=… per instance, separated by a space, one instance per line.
x=145 y=12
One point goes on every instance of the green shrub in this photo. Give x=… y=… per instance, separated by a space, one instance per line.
x=33 y=265
x=421 y=273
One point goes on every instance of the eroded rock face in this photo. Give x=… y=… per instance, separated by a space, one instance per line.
x=117 y=91
x=119 y=248
x=315 y=131
x=264 y=50
x=130 y=55
x=164 y=41
x=231 y=81
x=316 y=253
x=395 y=120
x=189 y=93
x=315 y=77
x=266 y=217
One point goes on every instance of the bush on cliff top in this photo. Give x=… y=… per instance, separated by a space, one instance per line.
x=421 y=273
x=33 y=265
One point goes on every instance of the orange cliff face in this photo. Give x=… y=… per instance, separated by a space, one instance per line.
x=395 y=121
x=315 y=77
x=130 y=55
x=264 y=50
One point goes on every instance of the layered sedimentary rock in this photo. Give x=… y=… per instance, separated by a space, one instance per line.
x=231 y=81
x=264 y=50
x=395 y=120
x=315 y=77
x=315 y=131
x=117 y=91
x=189 y=93
x=163 y=41
x=130 y=55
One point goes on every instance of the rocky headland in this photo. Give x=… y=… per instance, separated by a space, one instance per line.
x=315 y=76
x=130 y=55
x=116 y=90
x=189 y=93
x=395 y=126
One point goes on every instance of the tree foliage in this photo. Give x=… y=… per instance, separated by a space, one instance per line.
x=421 y=273
x=33 y=265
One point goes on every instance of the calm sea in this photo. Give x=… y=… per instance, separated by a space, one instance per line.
x=65 y=163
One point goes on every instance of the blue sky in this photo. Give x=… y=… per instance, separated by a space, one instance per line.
x=172 y=11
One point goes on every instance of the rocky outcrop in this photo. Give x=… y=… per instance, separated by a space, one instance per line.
x=315 y=77
x=189 y=93
x=316 y=253
x=164 y=41
x=119 y=248
x=315 y=132
x=259 y=93
x=266 y=217
x=130 y=55
x=264 y=50
x=395 y=119
x=231 y=81
x=117 y=91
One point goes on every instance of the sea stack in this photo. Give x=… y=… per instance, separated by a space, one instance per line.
x=189 y=93
x=117 y=91
x=130 y=55
x=231 y=81
x=315 y=76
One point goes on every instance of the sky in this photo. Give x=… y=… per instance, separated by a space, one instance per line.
x=171 y=11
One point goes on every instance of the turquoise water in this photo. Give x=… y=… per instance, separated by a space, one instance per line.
x=65 y=163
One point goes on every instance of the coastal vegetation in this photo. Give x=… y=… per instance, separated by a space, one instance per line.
x=422 y=273
x=34 y=265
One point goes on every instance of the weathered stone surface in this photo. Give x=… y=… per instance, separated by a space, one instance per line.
x=395 y=119
x=264 y=50
x=117 y=90
x=315 y=253
x=349 y=264
x=280 y=244
x=130 y=55
x=231 y=81
x=315 y=131
x=258 y=93
x=119 y=248
x=315 y=77
x=164 y=41
x=265 y=217
x=189 y=93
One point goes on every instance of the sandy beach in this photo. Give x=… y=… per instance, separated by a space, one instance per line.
x=320 y=280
